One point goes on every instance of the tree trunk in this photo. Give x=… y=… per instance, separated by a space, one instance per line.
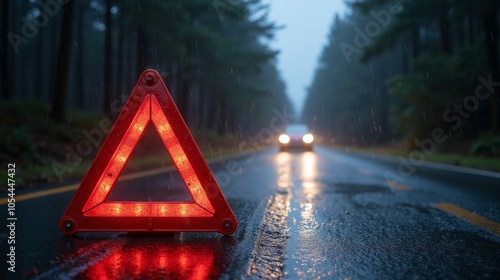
x=184 y=99
x=212 y=111
x=53 y=40
x=201 y=108
x=108 y=75
x=38 y=90
x=59 y=98
x=80 y=54
x=415 y=39
x=490 y=36
x=461 y=32
x=4 y=57
x=119 y=71
x=221 y=120
x=444 y=29
x=472 y=34
x=141 y=50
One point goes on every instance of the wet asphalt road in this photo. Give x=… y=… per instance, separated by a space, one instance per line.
x=302 y=215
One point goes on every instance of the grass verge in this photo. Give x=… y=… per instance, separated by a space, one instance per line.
x=479 y=162
x=34 y=142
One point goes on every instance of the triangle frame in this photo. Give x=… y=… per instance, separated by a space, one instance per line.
x=150 y=103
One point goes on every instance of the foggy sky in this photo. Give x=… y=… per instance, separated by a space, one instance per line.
x=306 y=26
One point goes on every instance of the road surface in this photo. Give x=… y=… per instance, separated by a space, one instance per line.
x=302 y=215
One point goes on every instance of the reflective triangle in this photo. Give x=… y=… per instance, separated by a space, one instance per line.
x=150 y=104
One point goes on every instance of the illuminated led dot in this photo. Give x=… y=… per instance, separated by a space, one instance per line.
x=183 y=210
x=164 y=128
x=121 y=158
x=138 y=127
x=138 y=210
x=117 y=210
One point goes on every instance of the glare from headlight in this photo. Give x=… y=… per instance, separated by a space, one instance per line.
x=308 y=138
x=284 y=139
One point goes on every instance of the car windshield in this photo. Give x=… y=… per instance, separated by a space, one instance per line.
x=297 y=128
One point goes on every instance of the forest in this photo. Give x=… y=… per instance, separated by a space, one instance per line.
x=400 y=73
x=85 y=54
x=66 y=64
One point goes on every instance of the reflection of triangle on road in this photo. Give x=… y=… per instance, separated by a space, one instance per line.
x=149 y=104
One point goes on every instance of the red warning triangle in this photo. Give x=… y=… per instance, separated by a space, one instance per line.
x=149 y=104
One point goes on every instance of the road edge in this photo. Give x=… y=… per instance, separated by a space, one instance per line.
x=439 y=171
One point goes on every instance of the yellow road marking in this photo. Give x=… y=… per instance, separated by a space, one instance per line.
x=75 y=186
x=41 y=193
x=398 y=186
x=365 y=171
x=470 y=217
x=122 y=178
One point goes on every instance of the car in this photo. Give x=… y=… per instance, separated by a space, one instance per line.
x=296 y=136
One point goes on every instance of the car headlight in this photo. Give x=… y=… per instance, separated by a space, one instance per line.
x=308 y=138
x=284 y=139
